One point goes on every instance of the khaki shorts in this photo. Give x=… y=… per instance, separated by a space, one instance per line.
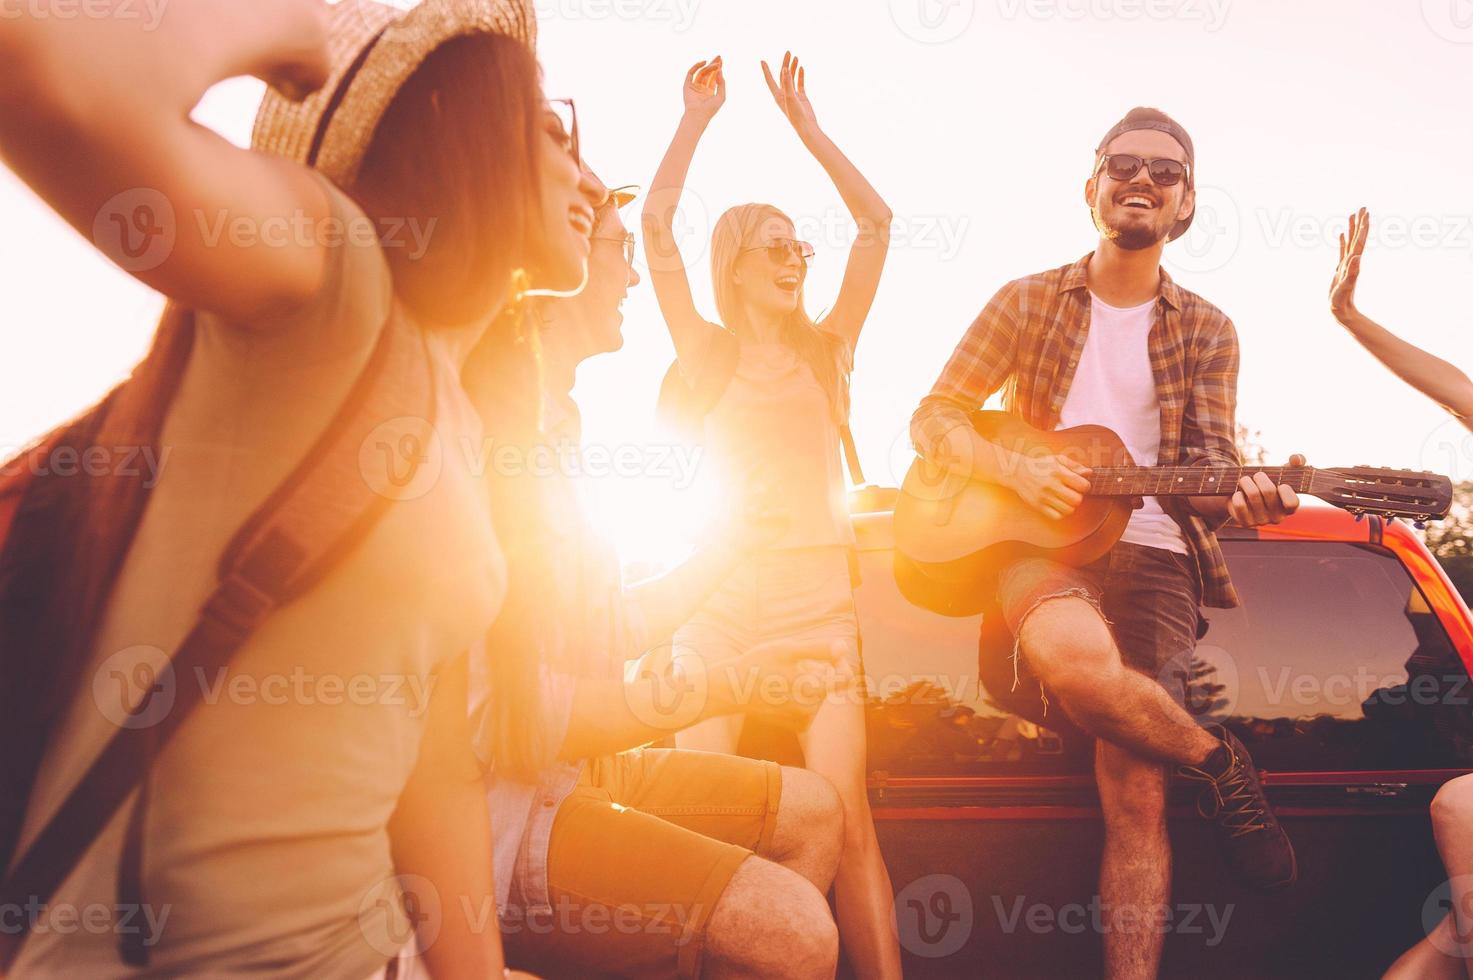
x=797 y=594
x=641 y=851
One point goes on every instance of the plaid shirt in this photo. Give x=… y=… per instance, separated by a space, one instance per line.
x=1028 y=342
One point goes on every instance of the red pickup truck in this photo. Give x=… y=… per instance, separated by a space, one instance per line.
x=1345 y=672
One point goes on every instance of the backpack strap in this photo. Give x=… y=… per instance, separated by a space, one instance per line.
x=686 y=399
x=319 y=513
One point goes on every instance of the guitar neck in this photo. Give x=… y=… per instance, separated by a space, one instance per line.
x=1189 y=481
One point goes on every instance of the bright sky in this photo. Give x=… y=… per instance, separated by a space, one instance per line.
x=976 y=120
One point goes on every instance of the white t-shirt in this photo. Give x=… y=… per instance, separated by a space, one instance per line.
x=1114 y=387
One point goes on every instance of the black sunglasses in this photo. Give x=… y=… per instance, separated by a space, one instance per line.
x=567 y=117
x=1162 y=170
x=779 y=249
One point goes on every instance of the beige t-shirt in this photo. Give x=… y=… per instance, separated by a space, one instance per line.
x=266 y=848
x=773 y=430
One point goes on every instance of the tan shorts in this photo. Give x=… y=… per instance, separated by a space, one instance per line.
x=641 y=851
x=799 y=594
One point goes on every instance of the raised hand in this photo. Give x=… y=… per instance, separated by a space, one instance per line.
x=705 y=89
x=790 y=92
x=1352 y=248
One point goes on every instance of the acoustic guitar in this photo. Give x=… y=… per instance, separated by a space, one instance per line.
x=953 y=534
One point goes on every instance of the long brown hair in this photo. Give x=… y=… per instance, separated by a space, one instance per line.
x=460 y=146
x=456 y=152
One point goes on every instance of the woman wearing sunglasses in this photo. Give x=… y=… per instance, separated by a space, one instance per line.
x=773 y=428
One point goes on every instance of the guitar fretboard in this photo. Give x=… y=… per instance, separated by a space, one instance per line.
x=1194 y=481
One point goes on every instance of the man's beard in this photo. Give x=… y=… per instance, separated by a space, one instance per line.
x=1133 y=239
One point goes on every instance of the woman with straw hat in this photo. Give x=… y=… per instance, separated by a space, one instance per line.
x=264 y=833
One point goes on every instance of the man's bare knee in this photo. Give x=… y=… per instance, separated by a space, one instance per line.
x=1066 y=642
x=1452 y=807
x=810 y=826
x=771 y=922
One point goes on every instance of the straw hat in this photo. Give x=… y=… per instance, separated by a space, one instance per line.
x=374 y=50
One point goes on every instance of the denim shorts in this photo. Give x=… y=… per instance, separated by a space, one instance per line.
x=1149 y=598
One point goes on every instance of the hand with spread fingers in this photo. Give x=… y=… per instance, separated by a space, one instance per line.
x=790 y=92
x=1347 y=273
x=1258 y=501
x=705 y=89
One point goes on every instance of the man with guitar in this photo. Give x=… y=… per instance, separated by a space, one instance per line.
x=1111 y=340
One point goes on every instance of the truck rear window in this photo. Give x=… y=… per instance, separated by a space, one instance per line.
x=1333 y=662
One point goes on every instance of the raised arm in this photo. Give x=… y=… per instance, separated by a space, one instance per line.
x=705 y=91
x=96 y=120
x=1428 y=373
x=870 y=213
